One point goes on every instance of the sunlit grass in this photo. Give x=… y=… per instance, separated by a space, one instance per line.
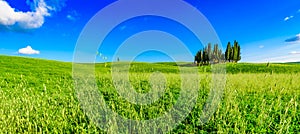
x=38 y=96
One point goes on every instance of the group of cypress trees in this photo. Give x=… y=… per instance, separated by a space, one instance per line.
x=209 y=55
x=233 y=53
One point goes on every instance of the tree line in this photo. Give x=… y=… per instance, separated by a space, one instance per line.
x=213 y=55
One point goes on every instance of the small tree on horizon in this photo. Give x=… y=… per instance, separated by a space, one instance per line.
x=239 y=53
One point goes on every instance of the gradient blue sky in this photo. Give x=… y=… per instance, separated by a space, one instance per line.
x=268 y=31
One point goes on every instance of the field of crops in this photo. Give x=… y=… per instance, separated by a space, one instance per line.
x=38 y=96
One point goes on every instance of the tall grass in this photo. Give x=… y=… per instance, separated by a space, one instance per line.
x=38 y=96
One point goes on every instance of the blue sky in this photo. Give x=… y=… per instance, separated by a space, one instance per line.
x=268 y=31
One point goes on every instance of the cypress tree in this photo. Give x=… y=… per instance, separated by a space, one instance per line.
x=209 y=52
x=239 y=53
x=220 y=58
x=205 y=56
x=228 y=52
x=235 y=51
x=201 y=57
x=198 y=57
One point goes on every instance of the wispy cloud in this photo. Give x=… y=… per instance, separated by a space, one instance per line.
x=294 y=52
x=70 y=17
x=291 y=16
x=73 y=15
x=288 y=18
x=261 y=46
x=12 y=19
x=281 y=52
x=293 y=39
x=28 y=51
x=283 y=59
x=54 y=5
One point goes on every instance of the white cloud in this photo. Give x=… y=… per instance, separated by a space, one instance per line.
x=73 y=15
x=11 y=18
x=292 y=16
x=281 y=52
x=294 y=52
x=283 y=59
x=28 y=51
x=288 y=18
x=70 y=17
x=261 y=46
x=294 y=39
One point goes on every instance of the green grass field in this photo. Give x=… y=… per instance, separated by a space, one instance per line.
x=38 y=96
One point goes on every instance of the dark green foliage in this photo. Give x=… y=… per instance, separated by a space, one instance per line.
x=205 y=57
x=209 y=55
x=199 y=57
x=270 y=68
x=228 y=52
x=235 y=52
x=208 y=50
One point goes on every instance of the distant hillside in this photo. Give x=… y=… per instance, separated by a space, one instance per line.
x=292 y=63
x=21 y=64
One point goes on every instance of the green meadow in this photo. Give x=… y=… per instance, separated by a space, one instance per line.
x=38 y=96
